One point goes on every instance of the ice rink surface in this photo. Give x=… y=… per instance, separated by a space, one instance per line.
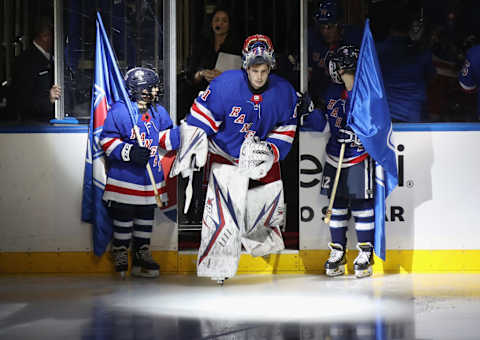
x=399 y=306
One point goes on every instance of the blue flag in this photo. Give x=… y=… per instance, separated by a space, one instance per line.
x=108 y=87
x=370 y=119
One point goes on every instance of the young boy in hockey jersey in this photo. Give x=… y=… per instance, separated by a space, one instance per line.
x=355 y=189
x=128 y=191
x=249 y=116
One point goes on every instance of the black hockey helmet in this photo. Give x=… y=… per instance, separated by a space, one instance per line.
x=143 y=84
x=343 y=58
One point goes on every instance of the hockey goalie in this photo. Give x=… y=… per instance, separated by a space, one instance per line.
x=249 y=119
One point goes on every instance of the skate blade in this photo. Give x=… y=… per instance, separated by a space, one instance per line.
x=122 y=275
x=149 y=273
x=335 y=272
x=219 y=280
x=363 y=273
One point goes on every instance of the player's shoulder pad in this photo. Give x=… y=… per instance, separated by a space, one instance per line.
x=282 y=86
x=333 y=91
x=227 y=78
x=119 y=107
x=228 y=82
x=160 y=109
x=163 y=116
x=473 y=53
x=119 y=111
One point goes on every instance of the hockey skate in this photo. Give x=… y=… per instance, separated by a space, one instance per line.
x=220 y=280
x=120 y=260
x=335 y=265
x=143 y=264
x=364 y=261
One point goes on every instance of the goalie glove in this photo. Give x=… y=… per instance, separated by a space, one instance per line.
x=346 y=136
x=256 y=158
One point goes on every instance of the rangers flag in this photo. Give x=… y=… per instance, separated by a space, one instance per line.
x=370 y=119
x=105 y=92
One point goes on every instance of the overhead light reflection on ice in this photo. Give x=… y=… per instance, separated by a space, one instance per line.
x=269 y=307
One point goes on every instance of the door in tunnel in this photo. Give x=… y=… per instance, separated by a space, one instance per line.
x=278 y=19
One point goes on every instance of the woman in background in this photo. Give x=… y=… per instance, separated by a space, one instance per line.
x=205 y=53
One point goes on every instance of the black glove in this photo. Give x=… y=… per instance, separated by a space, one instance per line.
x=139 y=155
x=347 y=136
x=304 y=104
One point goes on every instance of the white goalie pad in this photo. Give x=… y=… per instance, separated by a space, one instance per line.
x=256 y=158
x=192 y=154
x=264 y=216
x=223 y=219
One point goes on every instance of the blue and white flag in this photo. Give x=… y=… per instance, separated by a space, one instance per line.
x=108 y=87
x=370 y=119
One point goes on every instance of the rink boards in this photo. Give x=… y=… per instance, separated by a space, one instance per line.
x=431 y=216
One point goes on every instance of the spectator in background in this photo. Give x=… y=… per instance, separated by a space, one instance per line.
x=455 y=30
x=33 y=92
x=406 y=70
x=205 y=53
x=329 y=33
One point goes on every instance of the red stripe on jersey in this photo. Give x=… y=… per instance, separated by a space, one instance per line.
x=132 y=192
x=107 y=145
x=359 y=159
x=469 y=91
x=286 y=133
x=212 y=122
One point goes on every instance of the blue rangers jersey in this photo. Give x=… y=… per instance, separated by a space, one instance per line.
x=335 y=114
x=126 y=182
x=229 y=112
x=469 y=76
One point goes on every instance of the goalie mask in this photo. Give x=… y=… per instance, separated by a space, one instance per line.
x=258 y=49
x=344 y=59
x=143 y=84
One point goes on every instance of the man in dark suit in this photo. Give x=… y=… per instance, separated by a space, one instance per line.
x=33 y=91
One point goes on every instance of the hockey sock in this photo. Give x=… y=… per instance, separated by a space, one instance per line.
x=122 y=217
x=339 y=222
x=142 y=226
x=363 y=213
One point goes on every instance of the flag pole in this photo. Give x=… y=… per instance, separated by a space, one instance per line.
x=328 y=215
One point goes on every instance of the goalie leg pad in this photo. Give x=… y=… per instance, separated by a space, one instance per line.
x=222 y=222
x=265 y=214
